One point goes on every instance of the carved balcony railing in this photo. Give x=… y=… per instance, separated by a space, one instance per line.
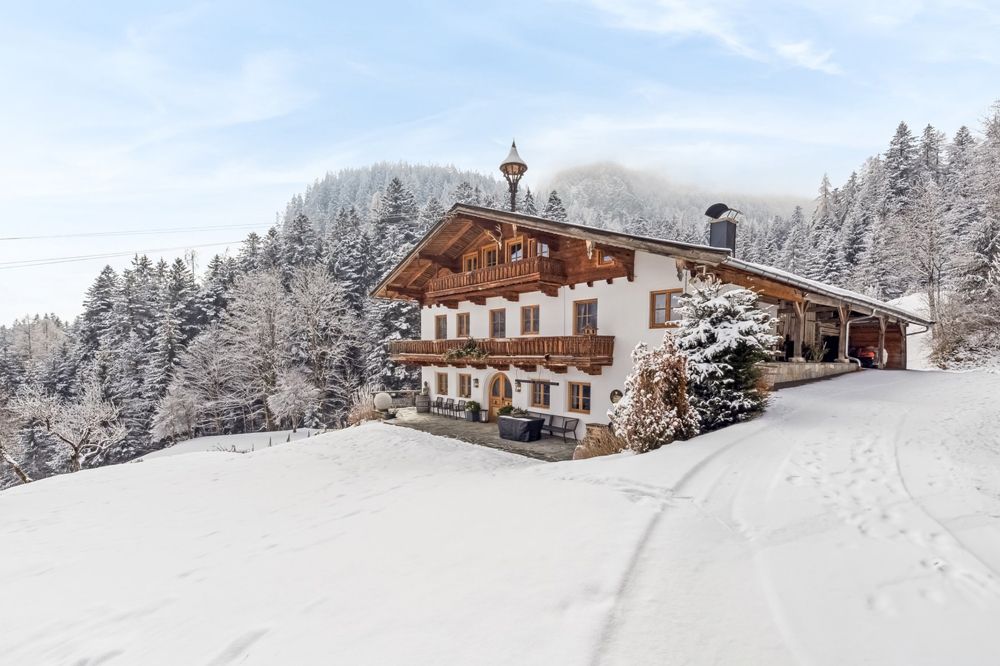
x=533 y=272
x=586 y=352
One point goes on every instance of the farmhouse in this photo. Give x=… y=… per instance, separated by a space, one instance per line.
x=539 y=314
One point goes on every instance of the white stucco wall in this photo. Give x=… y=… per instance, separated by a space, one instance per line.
x=622 y=311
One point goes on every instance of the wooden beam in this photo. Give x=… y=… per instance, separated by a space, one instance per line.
x=844 y=312
x=799 y=329
x=455 y=236
x=441 y=260
x=511 y=296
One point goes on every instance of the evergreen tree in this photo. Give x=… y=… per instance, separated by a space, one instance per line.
x=249 y=258
x=98 y=313
x=528 y=206
x=554 y=209
x=724 y=335
x=464 y=193
x=298 y=244
x=901 y=161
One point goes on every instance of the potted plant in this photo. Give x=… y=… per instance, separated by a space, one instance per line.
x=472 y=410
x=505 y=410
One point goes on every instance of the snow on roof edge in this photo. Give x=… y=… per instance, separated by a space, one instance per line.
x=824 y=288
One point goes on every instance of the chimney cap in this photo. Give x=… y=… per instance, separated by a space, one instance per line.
x=721 y=211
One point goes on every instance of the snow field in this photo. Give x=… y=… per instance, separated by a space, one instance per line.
x=856 y=522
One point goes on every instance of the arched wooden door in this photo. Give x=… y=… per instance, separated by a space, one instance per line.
x=501 y=393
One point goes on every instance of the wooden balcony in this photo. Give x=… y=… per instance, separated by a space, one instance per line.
x=588 y=353
x=531 y=274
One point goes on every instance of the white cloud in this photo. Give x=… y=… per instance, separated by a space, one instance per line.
x=804 y=54
x=726 y=22
x=678 y=17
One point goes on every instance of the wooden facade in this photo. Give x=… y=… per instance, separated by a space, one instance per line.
x=443 y=272
x=588 y=353
x=478 y=253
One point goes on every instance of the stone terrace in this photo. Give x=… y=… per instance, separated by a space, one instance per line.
x=549 y=449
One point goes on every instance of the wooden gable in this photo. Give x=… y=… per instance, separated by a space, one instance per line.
x=526 y=259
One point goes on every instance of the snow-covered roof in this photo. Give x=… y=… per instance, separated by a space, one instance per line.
x=799 y=282
x=699 y=254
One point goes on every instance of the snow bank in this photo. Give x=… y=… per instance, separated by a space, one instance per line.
x=918 y=345
x=244 y=443
x=378 y=545
x=858 y=521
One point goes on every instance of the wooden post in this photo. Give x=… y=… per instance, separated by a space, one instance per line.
x=880 y=358
x=799 y=331
x=902 y=335
x=844 y=312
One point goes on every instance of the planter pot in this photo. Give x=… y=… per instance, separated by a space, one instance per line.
x=422 y=403
x=471 y=415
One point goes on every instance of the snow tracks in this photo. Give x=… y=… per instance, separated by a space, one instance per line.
x=855 y=523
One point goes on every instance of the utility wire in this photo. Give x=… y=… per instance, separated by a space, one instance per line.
x=133 y=232
x=30 y=263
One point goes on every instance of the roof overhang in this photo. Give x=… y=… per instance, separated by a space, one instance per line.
x=819 y=292
x=704 y=254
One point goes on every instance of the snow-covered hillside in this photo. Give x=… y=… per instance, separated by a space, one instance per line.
x=243 y=443
x=856 y=522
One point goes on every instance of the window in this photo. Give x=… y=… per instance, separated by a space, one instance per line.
x=515 y=250
x=462 y=325
x=489 y=256
x=464 y=386
x=498 y=323
x=604 y=257
x=529 y=320
x=440 y=327
x=541 y=249
x=664 y=307
x=584 y=317
x=442 y=383
x=579 y=397
x=541 y=395
x=470 y=262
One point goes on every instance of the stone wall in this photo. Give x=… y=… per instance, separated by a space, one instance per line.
x=778 y=375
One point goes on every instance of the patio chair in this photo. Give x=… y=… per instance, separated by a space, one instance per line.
x=459 y=409
x=437 y=405
x=449 y=407
x=561 y=426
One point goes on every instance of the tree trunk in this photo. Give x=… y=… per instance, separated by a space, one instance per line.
x=21 y=474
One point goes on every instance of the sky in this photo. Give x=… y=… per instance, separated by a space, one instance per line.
x=155 y=117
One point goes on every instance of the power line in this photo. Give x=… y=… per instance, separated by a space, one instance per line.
x=132 y=232
x=31 y=263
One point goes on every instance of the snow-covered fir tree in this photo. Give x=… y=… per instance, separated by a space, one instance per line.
x=724 y=335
